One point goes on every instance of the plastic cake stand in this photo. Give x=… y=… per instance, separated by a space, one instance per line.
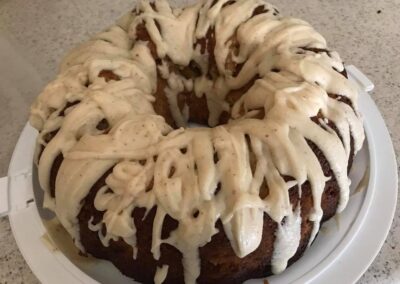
x=342 y=252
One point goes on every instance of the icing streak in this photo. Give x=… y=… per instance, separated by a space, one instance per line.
x=99 y=114
x=161 y=274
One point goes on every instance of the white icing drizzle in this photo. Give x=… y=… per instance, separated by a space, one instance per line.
x=161 y=274
x=287 y=240
x=292 y=85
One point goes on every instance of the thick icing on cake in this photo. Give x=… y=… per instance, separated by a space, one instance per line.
x=198 y=175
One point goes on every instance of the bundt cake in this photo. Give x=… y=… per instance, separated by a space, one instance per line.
x=200 y=144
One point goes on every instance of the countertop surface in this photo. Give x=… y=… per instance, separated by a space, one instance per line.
x=366 y=34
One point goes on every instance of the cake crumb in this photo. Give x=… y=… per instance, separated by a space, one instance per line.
x=379 y=11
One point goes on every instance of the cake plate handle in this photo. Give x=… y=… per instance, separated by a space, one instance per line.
x=20 y=198
x=4 y=200
x=360 y=78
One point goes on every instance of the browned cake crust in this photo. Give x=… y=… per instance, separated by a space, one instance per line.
x=219 y=263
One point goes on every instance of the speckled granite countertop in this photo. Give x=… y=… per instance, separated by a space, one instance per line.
x=366 y=33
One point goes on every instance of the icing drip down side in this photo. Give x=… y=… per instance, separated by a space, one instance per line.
x=99 y=114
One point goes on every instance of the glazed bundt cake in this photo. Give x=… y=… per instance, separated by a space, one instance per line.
x=200 y=144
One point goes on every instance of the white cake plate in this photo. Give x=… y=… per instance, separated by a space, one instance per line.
x=342 y=252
